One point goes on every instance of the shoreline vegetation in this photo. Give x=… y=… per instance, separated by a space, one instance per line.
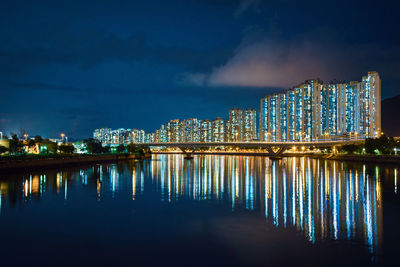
x=51 y=161
x=27 y=162
x=17 y=157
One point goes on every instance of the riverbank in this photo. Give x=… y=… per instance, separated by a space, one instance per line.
x=340 y=157
x=368 y=158
x=34 y=163
x=50 y=162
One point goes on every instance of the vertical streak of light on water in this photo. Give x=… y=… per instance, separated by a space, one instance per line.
x=246 y=183
x=376 y=201
x=294 y=179
x=237 y=177
x=40 y=185
x=253 y=185
x=174 y=182
x=275 y=212
x=310 y=202
x=395 y=181
x=66 y=189
x=348 y=218
x=141 y=182
x=335 y=203
x=209 y=177
x=368 y=219
x=353 y=198
x=301 y=193
x=233 y=184
x=284 y=197
x=222 y=175
x=164 y=171
x=217 y=177
x=133 y=183
x=322 y=200
x=30 y=185
x=266 y=171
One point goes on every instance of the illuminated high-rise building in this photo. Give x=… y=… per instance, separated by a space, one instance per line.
x=218 y=130
x=174 y=131
x=313 y=110
x=191 y=130
x=235 y=130
x=102 y=135
x=138 y=136
x=161 y=134
x=249 y=131
x=370 y=105
x=205 y=131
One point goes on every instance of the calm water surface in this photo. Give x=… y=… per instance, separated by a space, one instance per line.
x=212 y=210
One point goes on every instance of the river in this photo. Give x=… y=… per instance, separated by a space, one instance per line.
x=212 y=210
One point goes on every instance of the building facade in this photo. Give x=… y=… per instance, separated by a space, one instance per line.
x=314 y=110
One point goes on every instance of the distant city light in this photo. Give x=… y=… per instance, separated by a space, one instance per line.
x=310 y=111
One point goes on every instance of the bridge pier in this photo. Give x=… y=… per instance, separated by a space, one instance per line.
x=187 y=154
x=276 y=155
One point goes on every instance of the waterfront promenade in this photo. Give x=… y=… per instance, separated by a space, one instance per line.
x=67 y=160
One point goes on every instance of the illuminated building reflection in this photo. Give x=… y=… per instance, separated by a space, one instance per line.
x=321 y=199
x=317 y=197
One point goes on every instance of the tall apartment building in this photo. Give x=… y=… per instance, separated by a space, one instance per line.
x=138 y=136
x=205 y=131
x=174 y=131
x=102 y=135
x=191 y=130
x=313 y=110
x=249 y=132
x=161 y=134
x=242 y=125
x=218 y=130
x=235 y=128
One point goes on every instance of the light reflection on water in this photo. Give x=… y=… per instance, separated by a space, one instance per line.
x=319 y=198
x=322 y=199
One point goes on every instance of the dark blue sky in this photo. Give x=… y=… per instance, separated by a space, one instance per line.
x=72 y=66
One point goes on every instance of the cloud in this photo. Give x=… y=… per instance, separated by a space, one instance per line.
x=284 y=64
x=269 y=64
x=196 y=79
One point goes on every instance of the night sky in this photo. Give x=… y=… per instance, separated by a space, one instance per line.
x=73 y=66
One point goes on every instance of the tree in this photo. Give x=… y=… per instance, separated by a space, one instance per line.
x=3 y=149
x=383 y=144
x=68 y=148
x=31 y=143
x=53 y=147
x=15 y=144
x=120 y=148
x=93 y=146
x=131 y=148
x=350 y=148
x=38 y=139
x=105 y=149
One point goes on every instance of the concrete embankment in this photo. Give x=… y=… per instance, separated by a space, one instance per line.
x=237 y=153
x=342 y=157
x=24 y=164
x=368 y=158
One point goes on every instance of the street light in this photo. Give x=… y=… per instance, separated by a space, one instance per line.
x=62 y=137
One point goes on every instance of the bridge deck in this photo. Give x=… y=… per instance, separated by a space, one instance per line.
x=320 y=143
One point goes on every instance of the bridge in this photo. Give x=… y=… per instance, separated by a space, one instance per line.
x=275 y=149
